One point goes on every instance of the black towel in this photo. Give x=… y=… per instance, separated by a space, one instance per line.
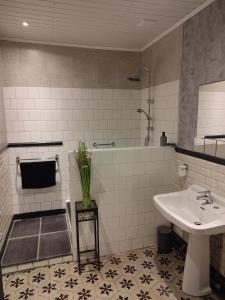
x=39 y=174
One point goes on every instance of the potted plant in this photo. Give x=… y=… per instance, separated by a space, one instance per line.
x=83 y=159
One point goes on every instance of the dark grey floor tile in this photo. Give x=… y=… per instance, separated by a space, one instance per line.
x=22 y=228
x=53 y=223
x=54 y=244
x=19 y=251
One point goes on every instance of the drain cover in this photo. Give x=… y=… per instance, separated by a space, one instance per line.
x=198 y=223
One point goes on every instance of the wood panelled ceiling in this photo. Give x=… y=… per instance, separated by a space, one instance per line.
x=125 y=24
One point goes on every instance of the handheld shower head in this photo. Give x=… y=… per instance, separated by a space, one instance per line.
x=139 y=110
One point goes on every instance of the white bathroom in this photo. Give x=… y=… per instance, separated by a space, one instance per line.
x=112 y=171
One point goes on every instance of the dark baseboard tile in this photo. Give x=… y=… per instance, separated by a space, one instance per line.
x=35 y=144
x=38 y=214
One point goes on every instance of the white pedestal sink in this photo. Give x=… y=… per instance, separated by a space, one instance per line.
x=184 y=210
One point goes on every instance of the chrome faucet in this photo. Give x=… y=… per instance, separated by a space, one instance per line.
x=207 y=196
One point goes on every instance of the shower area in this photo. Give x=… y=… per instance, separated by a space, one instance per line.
x=140 y=112
x=139 y=115
x=120 y=116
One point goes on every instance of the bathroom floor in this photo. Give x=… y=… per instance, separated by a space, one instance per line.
x=140 y=274
x=37 y=239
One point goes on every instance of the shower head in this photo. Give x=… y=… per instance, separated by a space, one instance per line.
x=133 y=77
x=139 y=110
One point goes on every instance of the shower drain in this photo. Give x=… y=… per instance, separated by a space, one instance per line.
x=197 y=223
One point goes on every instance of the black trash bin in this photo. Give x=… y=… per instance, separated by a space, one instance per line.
x=164 y=239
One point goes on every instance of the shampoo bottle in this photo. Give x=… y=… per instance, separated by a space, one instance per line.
x=163 y=139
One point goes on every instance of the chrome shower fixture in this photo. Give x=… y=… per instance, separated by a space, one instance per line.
x=139 y=110
x=133 y=77
x=137 y=77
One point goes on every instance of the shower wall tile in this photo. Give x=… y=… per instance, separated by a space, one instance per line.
x=123 y=184
x=3 y=140
x=28 y=200
x=71 y=114
x=65 y=114
x=6 y=208
x=164 y=111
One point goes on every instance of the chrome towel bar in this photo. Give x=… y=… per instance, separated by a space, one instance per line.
x=101 y=145
x=56 y=158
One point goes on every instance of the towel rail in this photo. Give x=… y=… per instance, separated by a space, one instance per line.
x=56 y=158
x=95 y=145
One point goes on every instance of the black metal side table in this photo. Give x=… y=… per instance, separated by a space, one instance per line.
x=84 y=215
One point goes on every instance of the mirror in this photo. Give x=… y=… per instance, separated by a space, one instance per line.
x=210 y=137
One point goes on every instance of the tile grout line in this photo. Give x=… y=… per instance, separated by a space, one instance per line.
x=69 y=230
x=46 y=233
x=39 y=237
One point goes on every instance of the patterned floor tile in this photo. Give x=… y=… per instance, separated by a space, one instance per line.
x=130 y=268
x=105 y=290
x=135 y=275
x=15 y=283
x=164 y=261
x=111 y=273
x=61 y=295
x=59 y=272
x=178 y=269
x=39 y=276
x=146 y=279
x=9 y=296
x=47 y=289
x=126 y=284
x=143 y=294
x=121 y=296
x=71 y=283
x=84 y=293
x=148 y=253
x=27 y=292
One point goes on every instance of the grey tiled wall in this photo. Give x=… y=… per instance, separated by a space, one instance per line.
x=164 y=58
x=203 y=62
x=35 y=65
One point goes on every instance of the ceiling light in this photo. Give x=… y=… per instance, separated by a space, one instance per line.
x=25 y=24
x=143 y=22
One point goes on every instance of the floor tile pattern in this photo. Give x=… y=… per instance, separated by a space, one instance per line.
x=142 y=274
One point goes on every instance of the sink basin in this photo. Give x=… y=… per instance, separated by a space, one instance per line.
x=182 y=209
x=200 y=220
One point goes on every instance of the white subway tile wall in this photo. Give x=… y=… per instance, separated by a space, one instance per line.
x=28 y=200
x=164 y=111
x=70 y=114
x=210 y=176
x=37 y=114
x=123 y=184
x=6 y=209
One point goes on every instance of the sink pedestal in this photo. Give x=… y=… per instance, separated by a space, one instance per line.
x=196 y=280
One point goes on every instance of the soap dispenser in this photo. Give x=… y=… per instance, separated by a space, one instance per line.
x=163 y=139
